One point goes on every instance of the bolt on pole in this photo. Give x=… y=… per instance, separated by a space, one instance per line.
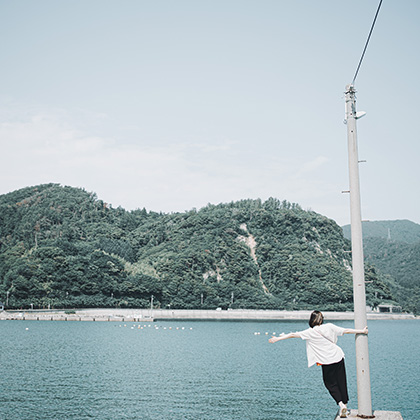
x=359 y=294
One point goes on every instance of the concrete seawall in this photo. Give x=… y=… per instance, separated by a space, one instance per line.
x=140 y=315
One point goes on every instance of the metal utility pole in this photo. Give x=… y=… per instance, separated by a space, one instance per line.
x=359 y=295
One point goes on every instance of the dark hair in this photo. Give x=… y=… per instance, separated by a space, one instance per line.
x=316 y=319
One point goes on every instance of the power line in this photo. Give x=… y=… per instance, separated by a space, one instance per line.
x=367 y=42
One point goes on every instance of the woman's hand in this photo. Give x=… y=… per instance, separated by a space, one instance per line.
x=352 y=331
x=274 y=339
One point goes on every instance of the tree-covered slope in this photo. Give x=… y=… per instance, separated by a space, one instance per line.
x=393 y=247
x=393 y=230
x=398 y=259
x=62 y=247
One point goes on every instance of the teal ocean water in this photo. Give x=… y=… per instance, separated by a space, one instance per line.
x=191 y=371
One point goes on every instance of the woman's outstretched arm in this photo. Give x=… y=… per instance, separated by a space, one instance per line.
x=351 y=331
x=283 y=336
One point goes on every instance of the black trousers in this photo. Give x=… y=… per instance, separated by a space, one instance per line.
x=334 y=377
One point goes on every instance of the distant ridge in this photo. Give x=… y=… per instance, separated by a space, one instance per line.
x=393 y=247
x=394 y=230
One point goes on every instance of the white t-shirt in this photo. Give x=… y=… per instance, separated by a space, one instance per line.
x=320 y=344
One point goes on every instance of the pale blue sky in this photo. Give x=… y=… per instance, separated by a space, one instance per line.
x=171 y=105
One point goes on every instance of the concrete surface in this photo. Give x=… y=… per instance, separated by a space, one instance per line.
x=379 y=415
x=117 y=314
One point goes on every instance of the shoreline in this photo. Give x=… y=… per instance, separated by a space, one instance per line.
x=147 y=315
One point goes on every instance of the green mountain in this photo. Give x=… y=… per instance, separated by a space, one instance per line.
x=392 y=230
x=393 y=247
x=62 y=247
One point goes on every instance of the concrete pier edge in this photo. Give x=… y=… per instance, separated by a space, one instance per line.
x=117 y=314
x=379 y=415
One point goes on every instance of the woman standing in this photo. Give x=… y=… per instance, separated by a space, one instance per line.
x=321 y=348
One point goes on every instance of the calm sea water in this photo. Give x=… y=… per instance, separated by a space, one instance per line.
x=191 y=371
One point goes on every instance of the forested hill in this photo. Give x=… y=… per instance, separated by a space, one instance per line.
x=393 y=247
x=62 y=247
x=391 y=230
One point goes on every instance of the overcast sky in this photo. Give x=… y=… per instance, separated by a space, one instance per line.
x=170 y=105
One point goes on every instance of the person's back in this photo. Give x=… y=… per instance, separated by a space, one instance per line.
x=321 y=347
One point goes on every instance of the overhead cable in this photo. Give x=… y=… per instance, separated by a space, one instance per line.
x=367 y=43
